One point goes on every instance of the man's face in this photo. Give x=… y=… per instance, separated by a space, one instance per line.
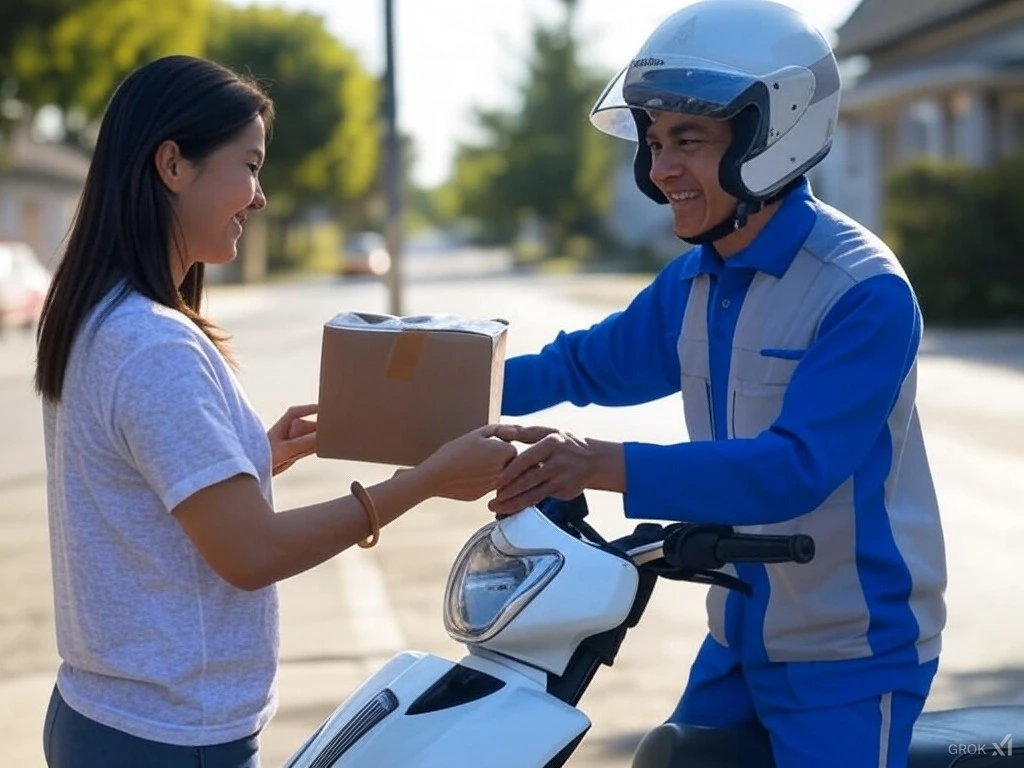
x=685 y=155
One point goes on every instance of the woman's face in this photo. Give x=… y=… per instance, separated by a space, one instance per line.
x=212 y=198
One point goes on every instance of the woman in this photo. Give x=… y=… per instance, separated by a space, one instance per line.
x=165 y=544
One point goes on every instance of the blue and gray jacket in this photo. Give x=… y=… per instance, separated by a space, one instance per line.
x=796 y=360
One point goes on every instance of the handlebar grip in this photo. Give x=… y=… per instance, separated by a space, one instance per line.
x=701 y=547
x=750 y=548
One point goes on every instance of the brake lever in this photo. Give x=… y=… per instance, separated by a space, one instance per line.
x=711 y=578
x=651 y=558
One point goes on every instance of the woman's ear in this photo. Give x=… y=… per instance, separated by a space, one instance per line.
x=171 y=166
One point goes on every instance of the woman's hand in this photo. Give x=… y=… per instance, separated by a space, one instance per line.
x=292 y=437
x=469 y=466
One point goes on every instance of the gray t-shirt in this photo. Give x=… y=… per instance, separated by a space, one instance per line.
x=153 y=642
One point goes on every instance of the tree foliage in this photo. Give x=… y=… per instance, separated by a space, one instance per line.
x=324 y=149
x=325 y=142
x=72 y=54
x=22 y=23
x=543 y=159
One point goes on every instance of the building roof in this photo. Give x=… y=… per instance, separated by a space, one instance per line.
x=23 y=156
x=877 y=23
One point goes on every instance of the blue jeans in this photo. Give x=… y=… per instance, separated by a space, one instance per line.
x=73 y=741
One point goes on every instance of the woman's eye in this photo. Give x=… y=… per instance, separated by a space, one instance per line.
x=254 y=168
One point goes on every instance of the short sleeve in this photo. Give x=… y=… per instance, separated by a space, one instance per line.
x=172 y=421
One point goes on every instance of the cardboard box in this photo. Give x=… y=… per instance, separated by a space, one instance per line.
x=394 y=389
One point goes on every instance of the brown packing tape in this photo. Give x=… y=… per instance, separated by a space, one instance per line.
x=405 y=355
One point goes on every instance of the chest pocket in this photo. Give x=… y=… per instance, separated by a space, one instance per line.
x=758 y=386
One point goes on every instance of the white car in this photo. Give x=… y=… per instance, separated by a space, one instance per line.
x=365 y=253
x=24 y=282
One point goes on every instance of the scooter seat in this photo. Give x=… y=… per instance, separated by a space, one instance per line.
x=973 y=737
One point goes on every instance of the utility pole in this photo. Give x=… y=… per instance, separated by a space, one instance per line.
x=393 y=166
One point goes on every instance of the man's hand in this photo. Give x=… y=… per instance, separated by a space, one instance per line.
x=292 y=437
x=557 y=464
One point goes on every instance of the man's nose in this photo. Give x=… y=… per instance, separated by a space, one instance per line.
x=665 y=166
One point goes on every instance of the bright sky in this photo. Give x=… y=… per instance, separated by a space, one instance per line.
x=453 y=54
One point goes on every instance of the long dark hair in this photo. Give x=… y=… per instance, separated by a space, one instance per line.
x=124 y=223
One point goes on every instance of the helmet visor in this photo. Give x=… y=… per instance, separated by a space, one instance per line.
x=673 y=84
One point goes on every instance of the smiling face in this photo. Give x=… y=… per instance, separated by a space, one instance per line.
x=212 y=197
x=686 y=152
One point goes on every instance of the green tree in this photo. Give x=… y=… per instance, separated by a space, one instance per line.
x=542 y=159
x=325 y=142
x=72 y=54
x=22 y=23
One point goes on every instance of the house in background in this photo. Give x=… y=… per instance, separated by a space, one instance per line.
x=944 y=78
x=40 y=184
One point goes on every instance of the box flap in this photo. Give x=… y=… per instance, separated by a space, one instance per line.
x=369 y=321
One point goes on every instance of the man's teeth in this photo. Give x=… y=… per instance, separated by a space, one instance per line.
x=681 y=196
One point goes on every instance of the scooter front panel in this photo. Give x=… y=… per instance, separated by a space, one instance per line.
x=512 y=723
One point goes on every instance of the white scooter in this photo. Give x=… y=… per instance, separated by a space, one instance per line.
x=541 y=601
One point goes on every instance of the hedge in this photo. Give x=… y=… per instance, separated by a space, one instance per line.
x=959 y=233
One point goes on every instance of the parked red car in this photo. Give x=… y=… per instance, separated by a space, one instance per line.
x=23 y=285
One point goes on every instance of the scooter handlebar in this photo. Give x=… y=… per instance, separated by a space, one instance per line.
x=750 y=548
x=709 y=547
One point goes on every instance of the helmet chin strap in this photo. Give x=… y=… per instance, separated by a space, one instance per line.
x=734 y=221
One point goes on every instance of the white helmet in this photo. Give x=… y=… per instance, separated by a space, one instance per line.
x=757 y=63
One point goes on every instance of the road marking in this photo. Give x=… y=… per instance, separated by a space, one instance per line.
x=375 y=627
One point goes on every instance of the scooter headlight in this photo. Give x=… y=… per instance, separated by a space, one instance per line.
x=491 y=583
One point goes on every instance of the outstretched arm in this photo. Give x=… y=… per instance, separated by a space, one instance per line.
x=835 y=409
x=250 y=546
x=630 y=357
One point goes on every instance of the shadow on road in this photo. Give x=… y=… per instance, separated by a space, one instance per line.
x=1002 y=348
x=990 y=686
x=619 y=745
